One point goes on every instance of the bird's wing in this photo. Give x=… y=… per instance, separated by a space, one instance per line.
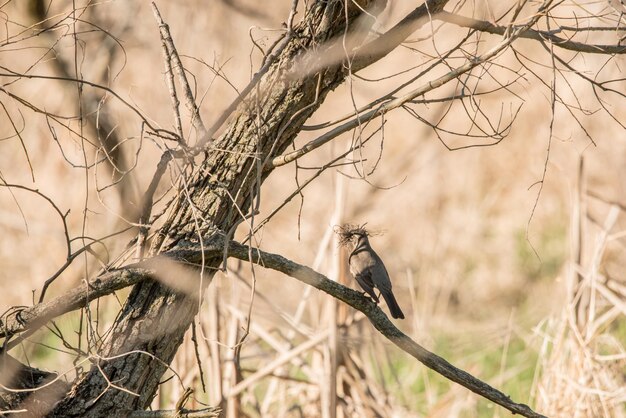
x=379 y=274
x=365 y=278
x=361 y=265
x=361 y=268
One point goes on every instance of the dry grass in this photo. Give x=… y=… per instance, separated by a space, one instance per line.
x=584 y=359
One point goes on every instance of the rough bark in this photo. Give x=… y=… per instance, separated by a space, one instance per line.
x=152 y=323
x=22 y=381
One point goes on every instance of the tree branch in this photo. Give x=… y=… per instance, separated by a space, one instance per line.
x=213 y=196
x=111 y=281
x=173 y=413
x=484 y=26
x=400 y=101
x=173 y=62
x=381 y=323
x=373 y=51
x=20 y=319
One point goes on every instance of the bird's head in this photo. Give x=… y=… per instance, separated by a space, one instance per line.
x=351 y=234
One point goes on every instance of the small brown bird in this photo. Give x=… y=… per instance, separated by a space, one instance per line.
x=368 y=269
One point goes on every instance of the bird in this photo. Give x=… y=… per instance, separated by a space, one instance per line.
x=370 y=272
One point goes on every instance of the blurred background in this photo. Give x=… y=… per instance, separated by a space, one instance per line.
x=507 y=259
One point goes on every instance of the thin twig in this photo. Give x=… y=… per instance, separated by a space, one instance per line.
x=400 y=101
x=172 y=54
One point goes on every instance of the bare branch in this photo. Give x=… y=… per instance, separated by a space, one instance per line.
x=488 y=27
x=216 y=180
x=400 y=101
x=174 y=413
x=171 y=57
x=36 y=316
x=383 y=45
x=380 y=322
x=16 y=75
x=19 y=319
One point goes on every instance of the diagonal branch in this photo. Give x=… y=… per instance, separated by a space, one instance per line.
x=20 y=319
x=177 y=413
x=400 y=101
x=381 y=323
x=112 y=281
x=173 y=62
x=390 y=40
x=539 y=35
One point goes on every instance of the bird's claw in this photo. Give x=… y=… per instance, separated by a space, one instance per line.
x=368 y=296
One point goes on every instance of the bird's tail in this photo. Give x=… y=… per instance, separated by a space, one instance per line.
x=394 y=308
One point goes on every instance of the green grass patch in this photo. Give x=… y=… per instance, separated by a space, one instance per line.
x=542 y=256
x=509 y=368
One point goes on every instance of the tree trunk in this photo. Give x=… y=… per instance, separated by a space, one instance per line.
x=152 y=323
